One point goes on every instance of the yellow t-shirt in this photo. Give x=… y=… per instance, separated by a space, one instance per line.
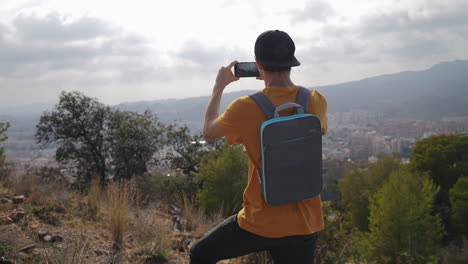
x=240 y=123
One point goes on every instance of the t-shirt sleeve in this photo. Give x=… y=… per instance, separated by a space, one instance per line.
x=319 y=108
x=231 y=121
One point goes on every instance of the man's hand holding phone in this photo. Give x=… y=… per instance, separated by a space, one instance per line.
x=225 y=77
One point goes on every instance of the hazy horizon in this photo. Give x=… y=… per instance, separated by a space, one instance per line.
x=130 y=51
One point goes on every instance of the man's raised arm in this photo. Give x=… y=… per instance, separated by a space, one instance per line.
x=223 y=79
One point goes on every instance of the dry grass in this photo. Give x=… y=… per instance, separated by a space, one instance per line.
x=151 y=233
x=40 y=192
x=196 y=221
x=118 y=204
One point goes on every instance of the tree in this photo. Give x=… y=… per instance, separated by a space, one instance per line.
x=78 y=126
x=97 y=140
x=134 y=138
x=3 y=129
x=360 y=184
x=459 y=203
x=186 y=150
x=402 y=228
x=445 y=159
x=223 y=177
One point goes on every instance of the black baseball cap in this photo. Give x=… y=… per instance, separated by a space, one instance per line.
x=275 y=48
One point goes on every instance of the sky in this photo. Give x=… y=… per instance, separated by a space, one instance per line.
x=125 y=51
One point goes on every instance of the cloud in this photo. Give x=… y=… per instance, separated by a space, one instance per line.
x=423 y=31
x=195 y=57
x=195 y=52
x=38 y=46
x=55 y=28
x=314 y=10
x=427 y=19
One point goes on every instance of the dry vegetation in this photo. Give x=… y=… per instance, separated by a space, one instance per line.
x=57 y=225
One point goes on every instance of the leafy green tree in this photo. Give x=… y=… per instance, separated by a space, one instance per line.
x=78 y=126
x=187 y=151
x=3 y=129
x=402 y=227
x=97 y=140
x=360 y=184
x=223 y=177
x=134 y=138
x=459 y=202
x=445 y=159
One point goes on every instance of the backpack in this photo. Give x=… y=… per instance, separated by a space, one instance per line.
x=291 y=148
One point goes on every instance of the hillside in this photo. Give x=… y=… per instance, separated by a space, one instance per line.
x=439 y=91
x=430 y=94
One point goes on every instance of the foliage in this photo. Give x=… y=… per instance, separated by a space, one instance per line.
x=134 y=138
x=5 y=250
x=97 y=140
x=78 y=126
x=171 y=189
x=445 y=159
x=48 y=214
x=3 y=129
x=360 y=184
x=330 y=181
x=337 y=242
x=223 y=177
x=186 y=150
x=459 y=203
x=402 y=228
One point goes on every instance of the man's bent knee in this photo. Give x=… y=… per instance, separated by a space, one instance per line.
x=198 y=256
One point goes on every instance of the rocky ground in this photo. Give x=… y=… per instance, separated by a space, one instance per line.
x=55 y=233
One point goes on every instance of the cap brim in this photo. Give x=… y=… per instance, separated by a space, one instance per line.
x=291 y=63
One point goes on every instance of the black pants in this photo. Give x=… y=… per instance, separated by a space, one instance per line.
x=228 y=240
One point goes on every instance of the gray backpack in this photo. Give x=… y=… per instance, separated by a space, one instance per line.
x=291 y=151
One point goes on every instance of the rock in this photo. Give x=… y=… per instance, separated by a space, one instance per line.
x=185 y=245
x=28 y=247
x=178 y=225
x=18 y=199
x=4 y=200
x=57 y=238
x=5 y=220
x=41 y=234
x=17 y=214
x=51 y=238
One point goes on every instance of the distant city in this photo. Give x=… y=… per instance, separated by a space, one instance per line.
x=367 y=118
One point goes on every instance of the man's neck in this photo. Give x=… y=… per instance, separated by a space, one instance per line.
x=278 y=79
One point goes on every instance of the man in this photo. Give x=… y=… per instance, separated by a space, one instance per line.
x=288 y=232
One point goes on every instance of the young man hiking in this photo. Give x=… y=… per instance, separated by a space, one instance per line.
x=289 y=231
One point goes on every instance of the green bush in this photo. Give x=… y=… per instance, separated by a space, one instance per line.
x=459 y=203
x=171 y=189
x=402 y=227
x=223 y=177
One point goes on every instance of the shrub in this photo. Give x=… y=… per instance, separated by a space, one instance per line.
x=223 y=177
x=402 y=227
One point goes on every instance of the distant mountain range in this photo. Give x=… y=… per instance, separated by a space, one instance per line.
x=430 y=94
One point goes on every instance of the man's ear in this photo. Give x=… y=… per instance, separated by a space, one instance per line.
x=259 y=64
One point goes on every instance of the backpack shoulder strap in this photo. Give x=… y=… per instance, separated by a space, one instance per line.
x=303 y=97
x=264 y=103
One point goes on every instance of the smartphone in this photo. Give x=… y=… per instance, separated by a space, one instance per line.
x=246 y=69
